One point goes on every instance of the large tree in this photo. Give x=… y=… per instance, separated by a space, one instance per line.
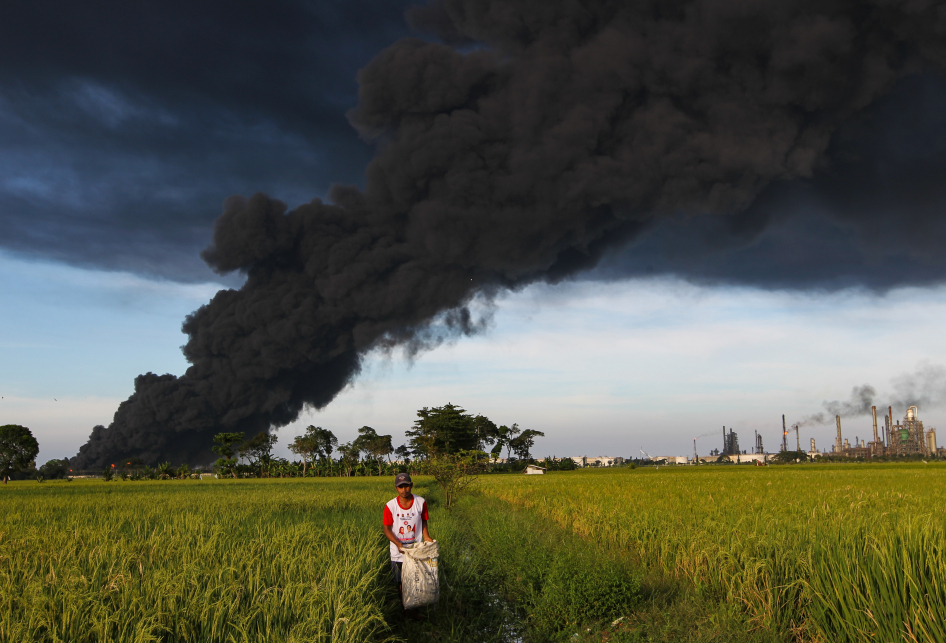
x=226 y=445
x=403 y=454
x=486 y=432
x=316 y=442
x=258 y=450
x=441 y=430
x=304 y=447
x=522 y=444
x=348 y=456
x=376 y=446
x=325 y=440
x=18 y=449
x=506 y=434
x=54 y=469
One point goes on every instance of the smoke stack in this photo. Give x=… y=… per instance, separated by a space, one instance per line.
x=784 y=435
x=839 y=444
x=891 y=440
x=873 y=412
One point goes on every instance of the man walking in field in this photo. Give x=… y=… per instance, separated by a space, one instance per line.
x=405 y=522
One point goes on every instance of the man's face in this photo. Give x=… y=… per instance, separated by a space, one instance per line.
x=404 y=490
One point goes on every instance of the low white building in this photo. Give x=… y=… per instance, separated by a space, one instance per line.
x=532 y=470
x=672 y=459
x=738 y=458
x=598 y=461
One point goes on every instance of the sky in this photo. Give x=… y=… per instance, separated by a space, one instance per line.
x=124 y=131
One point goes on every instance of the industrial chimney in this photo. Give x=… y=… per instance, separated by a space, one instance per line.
x=838 y=444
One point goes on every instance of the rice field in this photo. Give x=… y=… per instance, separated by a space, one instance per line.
x=228 y=560
x=853 y=552
x=793 y=553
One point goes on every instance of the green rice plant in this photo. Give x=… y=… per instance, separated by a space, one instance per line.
x=889 y=589
x=843 y=552
x=813 y=553
x=262 y=560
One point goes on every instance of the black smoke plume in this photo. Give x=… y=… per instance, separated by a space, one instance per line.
x=534 y=138
x=925 y=387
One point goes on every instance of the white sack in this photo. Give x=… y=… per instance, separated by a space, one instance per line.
x=420 y=584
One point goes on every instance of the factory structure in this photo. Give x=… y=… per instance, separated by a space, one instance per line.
x=904 y=437
x=907 y=437
x=732 y=452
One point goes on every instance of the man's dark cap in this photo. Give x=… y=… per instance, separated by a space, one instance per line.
x=402 y=478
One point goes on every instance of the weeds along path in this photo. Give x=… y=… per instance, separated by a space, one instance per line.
x=512 y=576
x=818 y=552
x=240 y=560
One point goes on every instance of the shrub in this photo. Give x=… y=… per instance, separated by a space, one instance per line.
x=580 y=588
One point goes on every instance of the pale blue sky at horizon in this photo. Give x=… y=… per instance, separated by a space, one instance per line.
x=601 y=368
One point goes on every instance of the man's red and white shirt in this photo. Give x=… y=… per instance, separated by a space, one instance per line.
x=406 y=522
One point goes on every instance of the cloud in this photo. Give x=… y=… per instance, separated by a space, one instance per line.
x=124 y=128
x=571 y=132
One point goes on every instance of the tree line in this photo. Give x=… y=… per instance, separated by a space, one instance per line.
x=439 y=432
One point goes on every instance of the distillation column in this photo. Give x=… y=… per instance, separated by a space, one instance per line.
x=891 y=442
x=838 y=443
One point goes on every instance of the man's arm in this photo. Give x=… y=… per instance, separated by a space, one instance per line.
x=390 y=535
x=423 y=518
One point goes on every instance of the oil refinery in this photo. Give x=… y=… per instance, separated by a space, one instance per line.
x=905 y=437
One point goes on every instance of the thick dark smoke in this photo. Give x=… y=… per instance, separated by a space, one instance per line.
x=925 y=387
x=859 y=403
x=544 y=135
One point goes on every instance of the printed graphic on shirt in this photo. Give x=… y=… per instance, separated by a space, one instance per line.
x=407 y=524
